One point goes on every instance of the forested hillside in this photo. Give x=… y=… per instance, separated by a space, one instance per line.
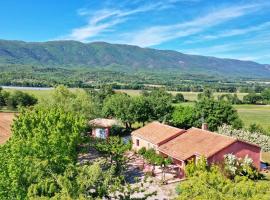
x=123 y=58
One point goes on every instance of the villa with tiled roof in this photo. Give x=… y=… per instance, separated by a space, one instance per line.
x=183 y=145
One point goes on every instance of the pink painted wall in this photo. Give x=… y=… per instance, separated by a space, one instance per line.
x=239 y=149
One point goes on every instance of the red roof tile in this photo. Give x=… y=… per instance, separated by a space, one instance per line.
x=196 y=141
x=157 y=133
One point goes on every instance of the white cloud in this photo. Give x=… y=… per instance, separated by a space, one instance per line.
x=104 y=19
x=158 y=34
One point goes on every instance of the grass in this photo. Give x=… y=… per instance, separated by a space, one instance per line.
x=259 y=114
x=37 y=93
x=190 y=96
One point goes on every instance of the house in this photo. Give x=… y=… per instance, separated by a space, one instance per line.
x=101 y=127
x=153 y=135
x=184 y=145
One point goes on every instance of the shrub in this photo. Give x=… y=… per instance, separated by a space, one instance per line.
x=234 y=166
x=142 y=151
x=253 y=137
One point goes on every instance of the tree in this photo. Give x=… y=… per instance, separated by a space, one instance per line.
x=212 y=184
x=142 y=109
x=252 y=98
x=43 y=143
x=179 y=98
x=233 y=99
x=121 y=107
x=114 y=148
x=17 y=99
x=266 y=96
x=161 y=102
x=216 y=113
x=184 y=117
x=207 y=93
x=79 y=102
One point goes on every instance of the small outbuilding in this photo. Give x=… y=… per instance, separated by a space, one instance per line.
x=101 y=127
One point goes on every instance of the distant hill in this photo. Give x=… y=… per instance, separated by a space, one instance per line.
x=126 y=58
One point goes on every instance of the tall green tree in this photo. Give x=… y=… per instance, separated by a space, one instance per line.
x=266 y=96
x=43 y=144
x=161 y=102
x=184 y=117
x=78 y=101
x=121 y=107
x=215 y=113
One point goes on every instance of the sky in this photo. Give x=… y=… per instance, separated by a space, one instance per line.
x=237 y=29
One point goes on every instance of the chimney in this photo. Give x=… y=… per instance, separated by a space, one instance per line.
x=205 y=126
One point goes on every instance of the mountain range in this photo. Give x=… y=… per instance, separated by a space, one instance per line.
x=126 y=58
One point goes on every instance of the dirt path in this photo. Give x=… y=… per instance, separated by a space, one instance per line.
x=5 y=126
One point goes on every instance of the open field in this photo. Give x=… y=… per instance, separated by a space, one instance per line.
x=37 y=93
x=5 y=126
x=259 y=114
x=190 y=96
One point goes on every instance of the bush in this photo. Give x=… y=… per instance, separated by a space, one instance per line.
x=234 y=166
x=142 y=151
x=178 y=98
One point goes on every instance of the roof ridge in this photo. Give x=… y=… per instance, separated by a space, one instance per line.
x=214 y=133
x=166 y=125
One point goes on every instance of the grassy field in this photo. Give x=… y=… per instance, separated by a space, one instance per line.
x=37 y=93
x=259 y=114
x=190 y=96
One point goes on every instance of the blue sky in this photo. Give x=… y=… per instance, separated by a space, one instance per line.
x=231 y=29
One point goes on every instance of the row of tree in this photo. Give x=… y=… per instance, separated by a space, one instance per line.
x=258 y=98
x=15 y=99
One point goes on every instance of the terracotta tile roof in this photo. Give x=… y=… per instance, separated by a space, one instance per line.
x=157 y=133
x=196 y=141
x=6 y=120
x=103 y=123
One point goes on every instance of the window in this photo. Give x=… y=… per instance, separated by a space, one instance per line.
x=137 y=142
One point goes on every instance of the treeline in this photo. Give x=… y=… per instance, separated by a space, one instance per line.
x=158 y=105
x=33 y=76
x=258 y=98
x=13 y=100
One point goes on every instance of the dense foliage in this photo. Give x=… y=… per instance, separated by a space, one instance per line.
x=253 y=137
x=13 y=100
x=206 y=110
x=184 y=117
x=78 y=101
x=154 y=105
x=212 y=184
x=43 y=145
